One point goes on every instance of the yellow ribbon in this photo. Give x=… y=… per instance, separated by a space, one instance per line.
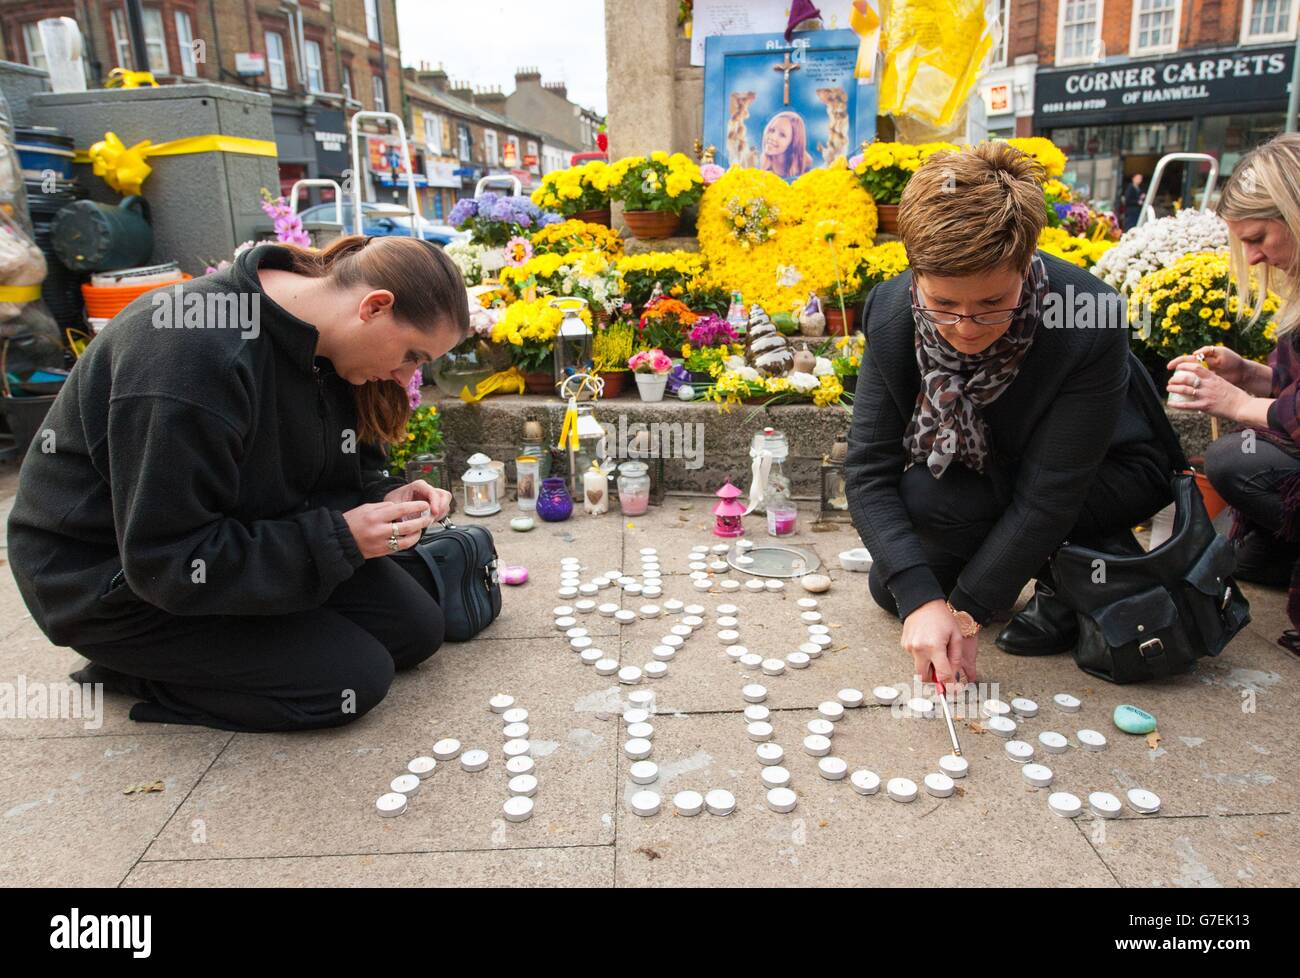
x=865 y=22
x=125 y=78
x=509 y=381
x=569 y=433
x=125 y=168
x=19 y=293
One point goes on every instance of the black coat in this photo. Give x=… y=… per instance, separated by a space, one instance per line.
x=1075 y=401
x=195 y=471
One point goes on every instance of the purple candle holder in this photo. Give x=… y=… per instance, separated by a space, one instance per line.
x=554 y=504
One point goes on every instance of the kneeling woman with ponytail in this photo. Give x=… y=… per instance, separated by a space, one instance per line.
x=206 y=516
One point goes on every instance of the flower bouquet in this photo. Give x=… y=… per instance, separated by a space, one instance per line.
x=586 y=274
x=493 y=219
x=1159 y=244
x=673 y=270
x=655 y=190
x=574 y=235
x=578 y=190
x=651 y=370
x=739 y=383
x=664 y=323
x=528 y=328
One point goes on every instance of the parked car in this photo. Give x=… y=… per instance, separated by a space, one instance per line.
x=384 y=220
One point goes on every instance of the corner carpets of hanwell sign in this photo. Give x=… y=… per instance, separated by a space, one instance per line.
x=1204 y=83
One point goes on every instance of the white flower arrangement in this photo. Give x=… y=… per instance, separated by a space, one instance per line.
x=468 y=257
x=737 y=365
x=1159 y=244
x=802 y=382
x=823 y=367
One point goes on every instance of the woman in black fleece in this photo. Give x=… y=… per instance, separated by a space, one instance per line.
x=206 y=515
x=991 y=422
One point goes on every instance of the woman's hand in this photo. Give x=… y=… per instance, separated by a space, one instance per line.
x=1209 y=392
x=372 y=525
x=1229 y=365
x=933 y=638
x=438 y=500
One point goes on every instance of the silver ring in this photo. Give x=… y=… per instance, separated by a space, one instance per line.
x=392 y=540
x=1196 y=383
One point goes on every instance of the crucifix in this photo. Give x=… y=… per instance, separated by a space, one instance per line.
x=787 y=66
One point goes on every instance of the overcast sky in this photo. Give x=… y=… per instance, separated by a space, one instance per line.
x=484 y=41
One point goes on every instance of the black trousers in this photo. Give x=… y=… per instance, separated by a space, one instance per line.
x=1250 y=481
x=300 y=671
x=953 y=515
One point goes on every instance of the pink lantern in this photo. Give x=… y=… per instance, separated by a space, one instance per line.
x=728 y=512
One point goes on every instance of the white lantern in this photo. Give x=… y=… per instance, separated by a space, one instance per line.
x=480 y=486
x=573 y=339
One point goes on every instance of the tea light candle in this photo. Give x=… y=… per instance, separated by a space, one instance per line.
x=774 y=585
x=601 y=582
x=422 y=767
x=672 y=641
x=673 y=607
x=734 y=652
x=644 y=772
x=500 y=703
x=759 y=731
x=901 y=790
x=633 y=590
x=719 y=548
x=645 y=803
x=754 y=693
x=1064 y=804
x=703 y=585
x=608 y=609
x=831 y=710
x=649 y=611
x=1143 y=801
x=588 y=589
x=1067 y=703
x=818 y=630
x=1024 y=707
x=698 y=575
x=664 y=653
x=757 y=713
x=568 y=591
x=688 y=803
x=515 y=731
x=629 y=675
x=865 y=782
x=652 y=592
x=522 y=786
x=446 y=750
x=591 y=656
x=606 y=667
x=1002 y=726
x=562 y=611
x=919 y=706
x=769 y=753
x=832 y=768
x=648 y=551
x=718 y=566
x=885 y=695
x=523 y=764
x=514 y=748
x=730 y=585
x=939 y=785
x=812 y=617
x=474 y=760
x=807 y=604
x=634 y=714
x=782 y=800
x=405 y=784
x=1039 y=775
x=625 y=616
x=821 y=641
x=816 y=745
x=773 y=667
x=1019 y=751
x=612 y=575
x=774 y=777
x=626 y=580
x=850 y=698
x=637 y=748
x=692 y=621
x=728 y=621
x=1091 y=740
x=743 y=560
x=1053 y=742
x=585 y=607
x=812 y=650
x=580 y=644
x=798 y=660
x=994 y=708
x=576 y=632
x=641 y=697
x=823 y=728
x=719 y=801
x=391 y=805
x=750 y=660
x=1104 y=805
x=641 y=730
x=954 y=766
x=754 y=585
x=565 y=623
x=697 y=565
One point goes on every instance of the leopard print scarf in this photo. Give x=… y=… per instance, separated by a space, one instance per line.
x=947 y=423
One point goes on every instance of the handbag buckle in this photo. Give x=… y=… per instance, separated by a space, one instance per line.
x=1227 y=599
x=1152 y=645
x=492 y=573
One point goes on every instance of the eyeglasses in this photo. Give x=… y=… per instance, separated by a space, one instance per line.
x=995 y=317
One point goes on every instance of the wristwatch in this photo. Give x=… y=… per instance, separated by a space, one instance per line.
x=969 y=626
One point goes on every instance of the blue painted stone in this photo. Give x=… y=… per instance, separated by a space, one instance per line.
x=1132 y=720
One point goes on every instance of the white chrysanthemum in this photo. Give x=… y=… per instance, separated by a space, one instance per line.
x=803 y=382
x=822 y=367
x=1159 y=244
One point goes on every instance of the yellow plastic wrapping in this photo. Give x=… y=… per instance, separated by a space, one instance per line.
x=933 y=52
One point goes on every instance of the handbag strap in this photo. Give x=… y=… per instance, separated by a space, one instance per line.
x=434 y=570
x=1152 y=407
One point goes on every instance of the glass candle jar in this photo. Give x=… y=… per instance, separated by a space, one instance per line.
x=782 y=518
x=554 y=503
x=527 y=481
x=633 y=488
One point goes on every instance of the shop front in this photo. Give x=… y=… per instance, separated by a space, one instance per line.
x=1117 y=120
x=312 y=142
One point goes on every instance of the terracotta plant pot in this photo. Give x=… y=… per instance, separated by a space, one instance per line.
x=1214 y=503
x=652 y=225
x=600 y=216
x=615 y=383
x=887 y=218
x=539 y=382
x=840 y=323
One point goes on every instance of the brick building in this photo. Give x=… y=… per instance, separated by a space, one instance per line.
x=566 y=126
x=319 y=60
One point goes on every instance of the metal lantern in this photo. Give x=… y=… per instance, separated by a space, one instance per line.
x=728 y=512
x=572 y=353
x=835 y=495
x=481 y=498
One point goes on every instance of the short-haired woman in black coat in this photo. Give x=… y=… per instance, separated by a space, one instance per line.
x=206 y=516
x=988 y=424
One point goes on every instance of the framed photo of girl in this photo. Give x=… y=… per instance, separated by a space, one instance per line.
x=788 y=107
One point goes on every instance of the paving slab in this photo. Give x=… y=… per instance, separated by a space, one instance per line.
x=64 y=820
x=568 y=866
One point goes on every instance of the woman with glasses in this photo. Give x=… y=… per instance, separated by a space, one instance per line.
x=998 y=413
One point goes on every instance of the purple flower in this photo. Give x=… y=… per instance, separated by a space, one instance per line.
x=712 y=330
x=463 y=211
x=413 y=395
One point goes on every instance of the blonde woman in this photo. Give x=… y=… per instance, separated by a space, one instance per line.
x=1259 y=473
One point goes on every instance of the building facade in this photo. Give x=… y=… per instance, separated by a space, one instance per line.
x=567 y=127
x=319 y=60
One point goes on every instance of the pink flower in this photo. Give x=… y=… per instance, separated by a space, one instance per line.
x=711 y=172
x=413 y=395
x=650 y=362
x=518 y=251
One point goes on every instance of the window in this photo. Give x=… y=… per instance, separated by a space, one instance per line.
x=999 y=57
x=1268 y=20
x=275 y=60
x=35 y=49
x=1155 y=26
x=490 y=147
x=463 y=143
x=1079 y=34
x=372 y=19
x=432 y=133
x=347 y=82
x=377 y=89
x=154 y=43
x=315 y=74
x=185 y=42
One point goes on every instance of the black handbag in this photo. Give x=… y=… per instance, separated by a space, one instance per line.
x=1153 y=615
x=457 y=565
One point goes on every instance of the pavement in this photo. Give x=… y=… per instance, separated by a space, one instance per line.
x=298 y=809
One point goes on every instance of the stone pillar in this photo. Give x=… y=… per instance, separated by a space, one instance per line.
x=640 y=56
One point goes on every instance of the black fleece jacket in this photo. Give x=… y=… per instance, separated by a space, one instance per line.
x=193 y=471
x=1075 y=401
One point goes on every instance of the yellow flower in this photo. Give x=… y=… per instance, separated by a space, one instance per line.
x=1046 y=152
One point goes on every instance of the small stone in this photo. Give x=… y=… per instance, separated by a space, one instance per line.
x=1132 y=720
x=815 y=583
x=522 y=524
